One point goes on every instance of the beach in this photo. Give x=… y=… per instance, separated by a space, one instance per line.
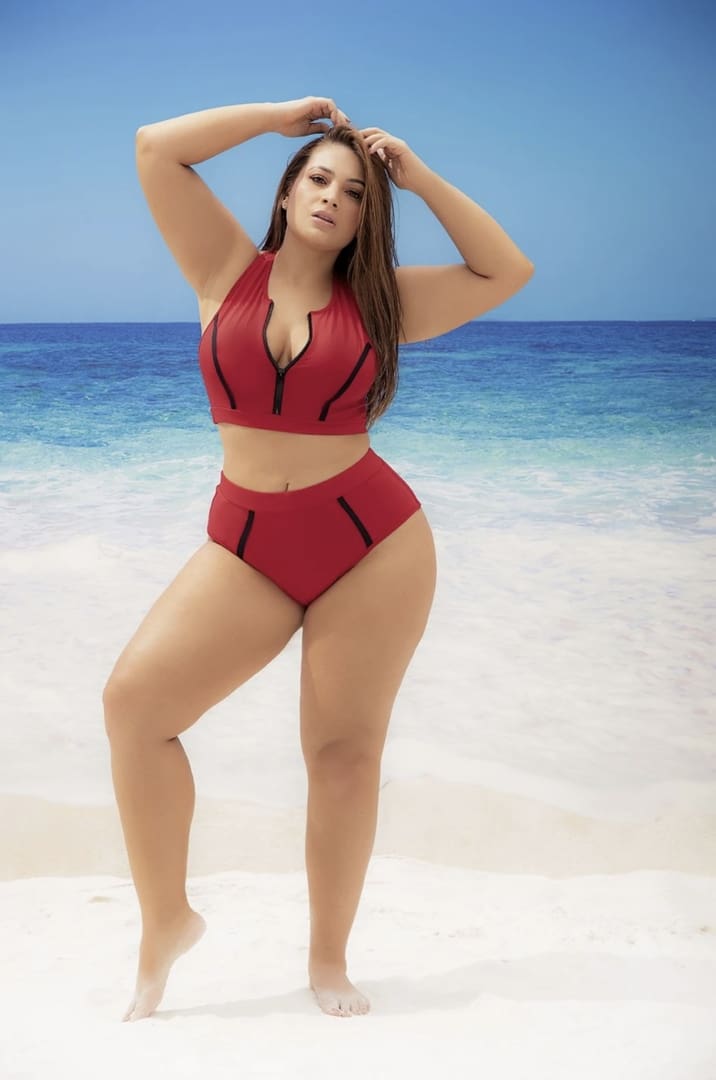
x=541 y=893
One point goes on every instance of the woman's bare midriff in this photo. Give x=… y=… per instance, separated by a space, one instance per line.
x=266 y=460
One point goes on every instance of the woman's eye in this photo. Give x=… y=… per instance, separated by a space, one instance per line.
x=356 y=193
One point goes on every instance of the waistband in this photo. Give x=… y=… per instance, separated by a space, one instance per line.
x=312 y=495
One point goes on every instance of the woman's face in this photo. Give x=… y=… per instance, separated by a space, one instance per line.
x=332 y=181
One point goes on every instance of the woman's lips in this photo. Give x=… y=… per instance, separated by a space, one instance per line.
x=322 y=221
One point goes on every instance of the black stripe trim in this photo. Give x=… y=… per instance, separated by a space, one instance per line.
x=356 y=521
x=215 y=357
x=245 y=534
x=346 y=384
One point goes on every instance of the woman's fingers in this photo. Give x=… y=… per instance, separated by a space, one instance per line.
x=373 y=142
x=373 y=135
x=338 y=116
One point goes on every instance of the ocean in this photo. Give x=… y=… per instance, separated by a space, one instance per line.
x=568 y=472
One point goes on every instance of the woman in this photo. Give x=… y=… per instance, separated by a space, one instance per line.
x=308 y=527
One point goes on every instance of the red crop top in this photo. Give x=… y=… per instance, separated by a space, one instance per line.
x=323 y=390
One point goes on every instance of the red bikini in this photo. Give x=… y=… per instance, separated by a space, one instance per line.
x=307 y=538
x=322 y=390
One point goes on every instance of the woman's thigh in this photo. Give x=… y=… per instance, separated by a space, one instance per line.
x=215 y=625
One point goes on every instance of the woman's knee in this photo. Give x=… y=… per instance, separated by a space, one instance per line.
x=134 y=704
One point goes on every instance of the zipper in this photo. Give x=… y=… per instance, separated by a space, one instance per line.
x=278 y=391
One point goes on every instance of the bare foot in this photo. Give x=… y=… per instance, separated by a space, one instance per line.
x=336 y=994
x=155 y=960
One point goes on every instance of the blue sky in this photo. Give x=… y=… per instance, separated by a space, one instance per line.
x=585 y=129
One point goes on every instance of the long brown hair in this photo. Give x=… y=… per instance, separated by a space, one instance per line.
x=367 y=264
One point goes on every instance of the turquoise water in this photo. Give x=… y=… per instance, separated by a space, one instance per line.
x=567 y=470
x=600 y=424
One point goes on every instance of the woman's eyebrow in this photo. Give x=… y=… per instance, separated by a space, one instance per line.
x=351 y=179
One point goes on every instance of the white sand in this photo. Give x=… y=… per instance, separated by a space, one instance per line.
x=576 y=966
x=542 y=894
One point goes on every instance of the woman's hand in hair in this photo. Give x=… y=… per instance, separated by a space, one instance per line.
x=303 y=116
x=402 y=164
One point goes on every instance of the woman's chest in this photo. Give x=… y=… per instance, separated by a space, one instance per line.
x=288 y=331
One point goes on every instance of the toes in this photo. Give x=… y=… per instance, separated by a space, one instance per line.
x=333 y=1005
x=143 y=1005
x=336 y=1010
x=141 y=1012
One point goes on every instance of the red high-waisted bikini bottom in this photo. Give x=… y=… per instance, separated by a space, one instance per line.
x=304 y=540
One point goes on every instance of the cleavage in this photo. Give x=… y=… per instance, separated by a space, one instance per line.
x=284 y=336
